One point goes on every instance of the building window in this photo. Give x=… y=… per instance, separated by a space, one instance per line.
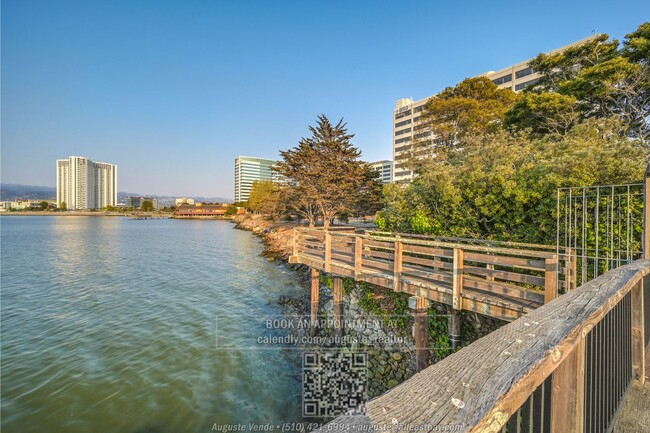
x=402 y=140
x=405 y=122
x=403 y=131
x=402 y=114
x=504 y=79
x=524 y=72
x=402 y=148
x=418 y=109
x=522 y=86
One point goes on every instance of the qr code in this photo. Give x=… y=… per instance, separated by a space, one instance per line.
x=333 y=383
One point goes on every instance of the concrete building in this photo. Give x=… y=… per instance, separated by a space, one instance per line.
x=248 y=169
x=183 y=200
x=385 y=169
x=85 y=184
x=137 y=202
x=406 y=114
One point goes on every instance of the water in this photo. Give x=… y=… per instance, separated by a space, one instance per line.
x=109 y=325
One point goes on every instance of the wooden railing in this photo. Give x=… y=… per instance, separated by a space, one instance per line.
x=504 y=281
x=563 y=368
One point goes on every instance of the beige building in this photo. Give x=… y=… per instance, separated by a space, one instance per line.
x=85 y=184
x=406 y=114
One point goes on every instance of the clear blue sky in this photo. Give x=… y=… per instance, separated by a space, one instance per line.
x=173 y=91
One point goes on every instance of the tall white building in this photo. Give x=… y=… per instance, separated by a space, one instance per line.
x=385 y=169
x=85 y=184
x=248 y=169
x=406 y=114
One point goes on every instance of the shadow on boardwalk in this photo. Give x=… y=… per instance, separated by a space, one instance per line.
x=635 y=415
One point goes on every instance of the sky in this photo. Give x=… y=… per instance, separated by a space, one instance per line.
x=173 y=91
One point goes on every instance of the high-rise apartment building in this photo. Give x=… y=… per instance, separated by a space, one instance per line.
x=248 y=169
x=385 y=169
x=85 y=184
x=406 y=114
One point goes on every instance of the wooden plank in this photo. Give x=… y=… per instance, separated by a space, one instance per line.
x=457 y=282
x=638 y=334
x=345 y=258
x=328 y=251
x=505 y=275
x=358 y=256
x=397 y=266
x=429 y=251
x=433 y=293
x=427 y=262
x=501 y=312
x=315 y=285
x=568 y=392
x=387 y=245
x=503 y=289
x=433 y=277
x=376 y=264
x=379 y=255
x=483 y=384
x=550 y=280
x=517 y=262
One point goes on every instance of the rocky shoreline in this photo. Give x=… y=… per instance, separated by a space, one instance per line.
x=377 y=321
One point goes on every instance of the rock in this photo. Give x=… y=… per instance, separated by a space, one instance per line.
x=392 y=383
x=397 y=356
x=387 y=370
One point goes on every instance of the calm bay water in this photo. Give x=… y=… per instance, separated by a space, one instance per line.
x=109 y=325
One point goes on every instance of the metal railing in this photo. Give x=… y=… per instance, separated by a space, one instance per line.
x=563 y=368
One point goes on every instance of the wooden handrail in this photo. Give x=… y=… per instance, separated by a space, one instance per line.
x=487 y=385
x=500 y=282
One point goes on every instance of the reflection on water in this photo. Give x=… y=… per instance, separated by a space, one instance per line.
x=109 y=325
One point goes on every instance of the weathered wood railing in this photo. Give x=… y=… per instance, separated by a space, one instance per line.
x=562 y=368
x=499 y=281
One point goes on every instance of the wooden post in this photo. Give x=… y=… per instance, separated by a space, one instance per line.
x=646 y=214
x=422 y=353
x=638 y=333
x=358 y=256
x=315 y=285
x=457 y=287
x=568 y=392
x=572 y=271
x=328 y=251
x=337 y=293
x=295 y=246
x=397 y=261
x=453 y=322
x=550 y=279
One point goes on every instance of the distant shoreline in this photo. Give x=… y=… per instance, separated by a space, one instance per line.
x=110 y=214
x=64 y=214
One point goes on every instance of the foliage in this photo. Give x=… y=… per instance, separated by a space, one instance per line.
x=147 y=206
x=602 y=78
x=503 y=185
x=544 y=113
x=265 y=198
x=325 y=176
x=474 y=106
x=63 y=207
x=231 y=209
x=44 y=205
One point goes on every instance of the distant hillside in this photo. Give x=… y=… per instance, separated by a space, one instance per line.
x=169 y=200
x=12 y=191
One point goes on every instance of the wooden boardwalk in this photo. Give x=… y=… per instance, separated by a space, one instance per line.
x=497 y=279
